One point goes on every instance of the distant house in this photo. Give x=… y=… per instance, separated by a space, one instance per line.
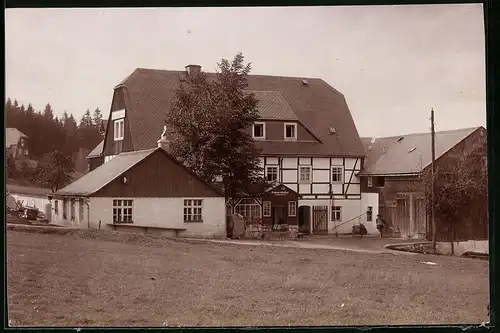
x=16 y=143
x=393 y=169
x=96 y=157
x=145 y=191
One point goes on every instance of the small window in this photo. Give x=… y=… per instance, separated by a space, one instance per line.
x=266 y=208
x=56 y=206
x=72 y=208
x=271 y=173
x=370 y=181
x=122 y=211
x=292 y=208
x=193 y=210
x=337 y=174
x=118 y=129
x=369 y=214
x=258 y=131
x=80 y=210
x=290 y=131
x=305 y=174
x=65 y=209
x=336 y=213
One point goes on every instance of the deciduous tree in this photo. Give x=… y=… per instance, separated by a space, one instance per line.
x=209 y=123
x=458 y=186
x=54 y=171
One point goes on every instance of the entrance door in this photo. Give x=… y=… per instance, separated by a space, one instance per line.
x=320 y=219
x=305 y=219
x=278 y=215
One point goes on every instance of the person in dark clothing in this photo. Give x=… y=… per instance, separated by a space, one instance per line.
x=380 y=224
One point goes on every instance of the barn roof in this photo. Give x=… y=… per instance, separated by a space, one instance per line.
x=410 y=153
x=313 y=102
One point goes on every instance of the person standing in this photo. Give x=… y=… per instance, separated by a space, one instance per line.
x=380 y=224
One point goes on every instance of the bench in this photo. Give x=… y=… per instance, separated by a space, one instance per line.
x=152 y=230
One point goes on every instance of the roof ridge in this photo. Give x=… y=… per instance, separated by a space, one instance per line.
x=254 y=75
x=422 y=133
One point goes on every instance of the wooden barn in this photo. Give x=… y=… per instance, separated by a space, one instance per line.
x=393 y=169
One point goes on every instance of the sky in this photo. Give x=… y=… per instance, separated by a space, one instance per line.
x=392 y=63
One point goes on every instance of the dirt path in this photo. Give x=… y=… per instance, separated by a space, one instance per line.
x=67 y=280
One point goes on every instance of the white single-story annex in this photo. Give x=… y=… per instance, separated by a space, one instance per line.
x=145 y=191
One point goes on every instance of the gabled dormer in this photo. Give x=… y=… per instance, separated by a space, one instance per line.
x=117 y=135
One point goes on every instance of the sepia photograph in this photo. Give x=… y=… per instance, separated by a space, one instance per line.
x=246 y=166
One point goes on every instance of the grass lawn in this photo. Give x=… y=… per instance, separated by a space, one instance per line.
x=132 y=280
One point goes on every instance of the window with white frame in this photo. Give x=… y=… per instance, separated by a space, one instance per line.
x=122 y=210
x=249 y=209
x=292 y=208
x=72 y=208
x=272 y=173
x=369 y=214
x=290 y=131
x=118 y=129
x=336 y=213
x=337 y=174
x=305 y=174
x=193 y=210
x=370 y=181
x=259 y=131
x=266 y=208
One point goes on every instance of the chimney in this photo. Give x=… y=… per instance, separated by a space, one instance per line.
x=193 y=69
x=164 y=142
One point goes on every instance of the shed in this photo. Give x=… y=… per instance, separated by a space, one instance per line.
x=145 y=191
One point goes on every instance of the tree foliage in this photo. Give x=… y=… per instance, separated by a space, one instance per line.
x=54 y=171
x=457 y=185
x=209 y=121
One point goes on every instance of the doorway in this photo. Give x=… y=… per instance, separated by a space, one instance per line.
x=278 y=213
x=305 y=219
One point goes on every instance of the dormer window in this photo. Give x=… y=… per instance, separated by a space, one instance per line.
x=259 y=131
x=290 y=131
x=118 y=129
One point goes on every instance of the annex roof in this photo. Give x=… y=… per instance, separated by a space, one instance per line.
x=410 y=153
x=317 y=105
x=104 y=174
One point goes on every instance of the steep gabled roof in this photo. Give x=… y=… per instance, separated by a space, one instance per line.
x=318 y=106
x=410 y=153
x=104 y=174
x=98 y=178
x=97 y=151
x=12 y=136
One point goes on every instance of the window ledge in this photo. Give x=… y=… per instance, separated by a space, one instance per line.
x=193 y=221
x=118 y=222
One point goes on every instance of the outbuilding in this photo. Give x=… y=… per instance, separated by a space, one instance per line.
x=146 y=191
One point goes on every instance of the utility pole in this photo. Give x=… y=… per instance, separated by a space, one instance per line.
x=433 y=220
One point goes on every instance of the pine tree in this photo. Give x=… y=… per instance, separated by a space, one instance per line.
x=97 y=118
x=48 y=112
x=86 y=120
